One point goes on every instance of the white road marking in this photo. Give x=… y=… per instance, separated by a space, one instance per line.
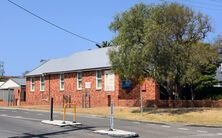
x=136 y=123
x=20 y=117
x=183 y=128
x=94 y=116
x=150 y=124
x=201 y=131
x=220 y=134
x=14 y=111
x=39 y=114
x=26 y=112
x=165 y=126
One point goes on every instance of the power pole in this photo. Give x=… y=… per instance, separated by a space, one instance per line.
x=2 y=71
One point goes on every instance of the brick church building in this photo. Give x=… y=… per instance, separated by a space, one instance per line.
x=85 y=78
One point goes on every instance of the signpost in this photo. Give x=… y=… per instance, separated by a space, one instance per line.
x=111 y=117
x=141 y=102
x=51 y=109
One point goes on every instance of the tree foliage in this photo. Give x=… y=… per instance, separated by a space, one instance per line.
x=160 y=41
x=200 y=71
x=104 y=44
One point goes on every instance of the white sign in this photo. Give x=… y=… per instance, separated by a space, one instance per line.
x=87 y=85
x=109 y=81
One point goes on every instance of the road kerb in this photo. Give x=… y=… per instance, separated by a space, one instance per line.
x=117 y=133
x=60 y=123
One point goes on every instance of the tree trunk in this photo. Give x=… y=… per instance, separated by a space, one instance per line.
x=192 y=93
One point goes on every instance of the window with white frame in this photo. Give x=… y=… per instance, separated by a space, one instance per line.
x=32 y=84
x=42 y=83
x=98 y=79
x=109 y=81
x=61 y=82
x=79 y=80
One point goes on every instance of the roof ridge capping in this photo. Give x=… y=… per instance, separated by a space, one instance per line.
x=91 y=50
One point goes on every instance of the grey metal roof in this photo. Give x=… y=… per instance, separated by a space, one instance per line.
x=91 y=59
x=19 y=81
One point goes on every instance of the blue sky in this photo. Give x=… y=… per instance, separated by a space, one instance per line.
x=25 y=40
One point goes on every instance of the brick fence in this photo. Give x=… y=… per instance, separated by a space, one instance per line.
x=128 y=103
x=172 y=103
x=183 y=103
x=2 y=103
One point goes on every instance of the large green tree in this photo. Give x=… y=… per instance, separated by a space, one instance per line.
x=155 y=41
x=200 y=71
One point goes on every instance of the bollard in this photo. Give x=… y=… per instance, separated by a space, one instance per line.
x=74 y=113
x=64 y=115
x=51 y=109
x=111 y=117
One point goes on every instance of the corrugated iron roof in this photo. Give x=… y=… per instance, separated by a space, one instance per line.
x=19 y=81
x=91 y=59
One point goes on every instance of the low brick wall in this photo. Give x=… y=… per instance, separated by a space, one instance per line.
x=183 y=103
x=2 y=103
x=128 y=103
x=170 y=103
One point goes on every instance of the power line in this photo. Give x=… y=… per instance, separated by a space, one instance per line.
x=209 y=5
x=53 y=24
x=198 y=5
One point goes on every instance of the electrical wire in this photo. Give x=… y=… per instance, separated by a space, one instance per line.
x=53 y=24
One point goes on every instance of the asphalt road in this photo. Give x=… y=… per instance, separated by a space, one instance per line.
x=26 y=123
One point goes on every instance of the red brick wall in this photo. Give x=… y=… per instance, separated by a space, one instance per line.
x=132 y=97
x=2 y=103
x=97 y=97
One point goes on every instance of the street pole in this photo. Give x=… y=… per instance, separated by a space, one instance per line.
x=141 y=102
x=51 y=109
x=111 y=117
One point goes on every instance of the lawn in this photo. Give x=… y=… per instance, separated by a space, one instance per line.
x=206 y=116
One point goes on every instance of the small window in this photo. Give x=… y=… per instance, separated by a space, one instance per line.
x=61 y=84
x=99 y=79
x=32 y=84
x=79 y=80
x=42 y=83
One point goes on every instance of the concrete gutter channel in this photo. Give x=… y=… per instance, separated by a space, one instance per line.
x=115 y=132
